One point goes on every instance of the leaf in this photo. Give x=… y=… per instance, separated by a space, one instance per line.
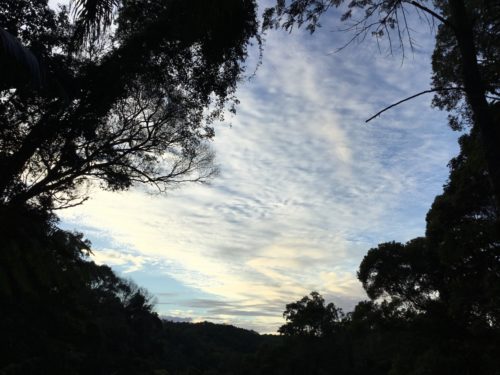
x=93 y=17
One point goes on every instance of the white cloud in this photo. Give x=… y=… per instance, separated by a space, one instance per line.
x=131 y=262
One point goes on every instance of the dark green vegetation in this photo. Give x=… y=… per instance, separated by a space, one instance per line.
x=63 y=314
x=83 y=103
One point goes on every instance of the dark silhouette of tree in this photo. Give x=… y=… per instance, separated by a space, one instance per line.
x=311 y=317
x=444 y=286
x=465 y=60
x=120 y=106
x=403 y=272
x=62 y=313
x=93 y=18
x=456 y=264
x=463 y=227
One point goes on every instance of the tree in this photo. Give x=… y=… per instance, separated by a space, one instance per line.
x=456 y=265
x=82 y=317
x=463 y=228
x=310 y=317
x=406 y=273
x=115 y=106
x=468 y=33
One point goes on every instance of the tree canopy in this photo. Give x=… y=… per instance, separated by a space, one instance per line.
x=84 y=104
x=311 y=317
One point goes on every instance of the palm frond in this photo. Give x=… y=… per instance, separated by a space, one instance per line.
x=93 y=17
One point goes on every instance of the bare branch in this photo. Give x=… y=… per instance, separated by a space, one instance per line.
x=432 y=13
x=413 y=97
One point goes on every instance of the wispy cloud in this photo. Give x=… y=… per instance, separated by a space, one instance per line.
x=306 y=187
x=129 y=262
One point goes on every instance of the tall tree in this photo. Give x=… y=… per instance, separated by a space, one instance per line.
x=115 y=106
x=456 y=266
x=311 y=317
x=439 y=294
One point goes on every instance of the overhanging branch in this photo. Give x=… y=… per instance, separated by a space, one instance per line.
x=413 y=97
x=432 y=13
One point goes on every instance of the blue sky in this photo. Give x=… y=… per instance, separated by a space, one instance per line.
x=305 y=189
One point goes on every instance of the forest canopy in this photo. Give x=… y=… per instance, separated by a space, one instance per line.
x=82 y=103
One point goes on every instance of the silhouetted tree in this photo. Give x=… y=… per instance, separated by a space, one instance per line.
x=457 y=262
x=311 y=317
x=115 y=106
x=443 y=287
x=463 y=228
x=62 y=313
x=403 y=272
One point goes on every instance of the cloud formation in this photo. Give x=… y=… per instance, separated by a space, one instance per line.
x=306 y=187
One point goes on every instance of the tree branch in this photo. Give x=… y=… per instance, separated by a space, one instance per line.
x=432 y=13
x=413 y=97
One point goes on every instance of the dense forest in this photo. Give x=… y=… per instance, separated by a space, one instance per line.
x=114 y=94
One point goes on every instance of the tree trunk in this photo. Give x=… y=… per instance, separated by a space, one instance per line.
x=476 y=93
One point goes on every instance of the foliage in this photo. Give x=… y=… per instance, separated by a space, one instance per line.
x=209 y=348
x=310 y=317
x=131 y=104
x=363 y=18
x=447 y=62
x=403 y=272
x=463 y=227
x=85 y=102
x=62 y=313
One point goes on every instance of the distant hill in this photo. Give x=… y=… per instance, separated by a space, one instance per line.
x=199 y=348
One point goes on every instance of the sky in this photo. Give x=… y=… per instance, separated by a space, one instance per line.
x=305 y=189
